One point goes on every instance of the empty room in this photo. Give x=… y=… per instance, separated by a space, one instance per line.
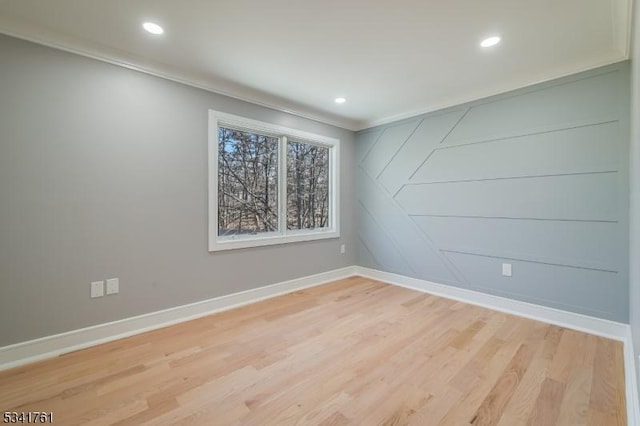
x=320 y=213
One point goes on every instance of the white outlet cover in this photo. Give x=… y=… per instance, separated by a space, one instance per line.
x=343 y=249
x=97 y=289
x=506 y=269
x=113 y=286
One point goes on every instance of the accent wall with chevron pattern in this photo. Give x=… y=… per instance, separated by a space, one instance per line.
x=535 y=177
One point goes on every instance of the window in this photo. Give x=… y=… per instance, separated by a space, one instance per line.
x=269 y=184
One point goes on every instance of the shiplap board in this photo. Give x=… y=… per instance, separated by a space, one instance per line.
x=593 y=148
x=537 y=177
x=571 y=197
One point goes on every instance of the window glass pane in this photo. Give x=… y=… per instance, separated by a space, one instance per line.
x=307 y=186
x=247 y=182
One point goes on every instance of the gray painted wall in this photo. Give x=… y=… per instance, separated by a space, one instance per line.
x=103 y=173
x=634 y=254
x=536 y=177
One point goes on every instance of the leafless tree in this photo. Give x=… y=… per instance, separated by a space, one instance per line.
x=248 y=183
x=307 y=186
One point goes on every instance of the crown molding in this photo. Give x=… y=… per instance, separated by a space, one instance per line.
x=209 y=83
x=507 y=87
x=621 y=16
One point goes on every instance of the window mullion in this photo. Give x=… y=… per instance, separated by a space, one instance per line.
x=282 y=185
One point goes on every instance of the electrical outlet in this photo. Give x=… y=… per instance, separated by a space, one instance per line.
x=343 y=249
x=506 y=269
x=97 y=289
x=113 y=286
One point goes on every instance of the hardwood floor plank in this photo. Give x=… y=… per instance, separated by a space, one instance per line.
x=519 y=407
x=492 y=407
x=547 y=407
x=436 y=407
x=566 y=357
x=608 y=377
x=575 y=404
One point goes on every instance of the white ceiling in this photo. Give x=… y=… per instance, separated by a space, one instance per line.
x=390 y=59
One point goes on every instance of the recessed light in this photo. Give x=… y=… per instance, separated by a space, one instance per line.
x=491 y=41
x=340 y=100
x=153 y=28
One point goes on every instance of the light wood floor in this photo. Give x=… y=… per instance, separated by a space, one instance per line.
x=354 y=351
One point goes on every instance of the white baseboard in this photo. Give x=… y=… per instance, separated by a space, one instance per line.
x=631 y=381
x=588 y=324
x=601 y=327
x=50 y=346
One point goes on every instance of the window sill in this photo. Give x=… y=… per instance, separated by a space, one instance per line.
x=268 y=240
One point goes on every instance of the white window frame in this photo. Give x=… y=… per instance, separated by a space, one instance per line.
x=282 y=236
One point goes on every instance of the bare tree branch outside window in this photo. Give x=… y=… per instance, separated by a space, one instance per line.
x=270 y=184
x=307 y=186
x=247 y=182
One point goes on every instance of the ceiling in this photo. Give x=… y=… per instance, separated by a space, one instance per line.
x=389 y=59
